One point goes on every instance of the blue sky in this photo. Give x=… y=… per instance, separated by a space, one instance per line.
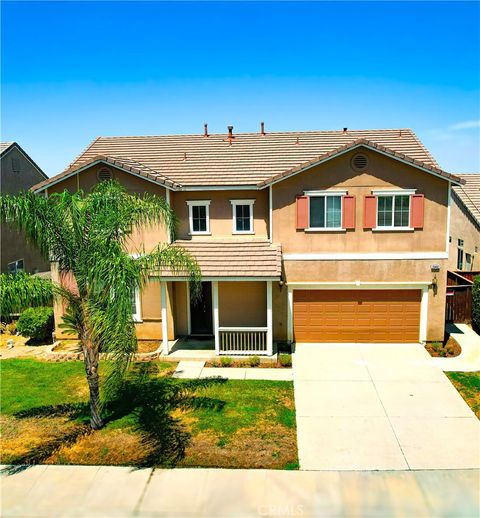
x=72 y=71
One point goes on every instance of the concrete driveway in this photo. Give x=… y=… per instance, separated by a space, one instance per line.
x=379 y=407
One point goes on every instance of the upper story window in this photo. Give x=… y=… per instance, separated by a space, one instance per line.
x=15 y=266
x=460 y=242
x=242 y=216
x=393 y=211
x=325 y=211
x=199 y=216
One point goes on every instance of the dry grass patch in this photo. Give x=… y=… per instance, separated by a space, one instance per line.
x=155 y=421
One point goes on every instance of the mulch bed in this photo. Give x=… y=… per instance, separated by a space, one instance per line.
x=448 y=349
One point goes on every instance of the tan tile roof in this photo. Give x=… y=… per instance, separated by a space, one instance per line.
x=235 y=258
x=126 y=164
x=247 y=159
x=469 y=193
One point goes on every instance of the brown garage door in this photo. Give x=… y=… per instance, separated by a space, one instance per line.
x=356 y=315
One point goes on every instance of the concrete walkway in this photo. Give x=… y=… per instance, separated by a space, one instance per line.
x=469 y=359
x=93 y=491
x=379 y=407
x=197 y=369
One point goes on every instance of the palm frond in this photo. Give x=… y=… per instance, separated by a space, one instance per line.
x=20 y=290
x=171 y=261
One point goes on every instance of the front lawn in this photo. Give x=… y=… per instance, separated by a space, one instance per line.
x=156 y=420
x=468 y=384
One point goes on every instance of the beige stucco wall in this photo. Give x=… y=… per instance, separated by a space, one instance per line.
x=383 y=173
x=242 y=304
x=180 y=308
x=463 y=226
x=145 y=238
x=221 y=212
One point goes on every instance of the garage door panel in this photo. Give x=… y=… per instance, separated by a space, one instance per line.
x=356 y=315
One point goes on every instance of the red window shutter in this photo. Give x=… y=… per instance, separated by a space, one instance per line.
x=302 y=212
x=370 y=212
x=348 y=213
x=416 y=210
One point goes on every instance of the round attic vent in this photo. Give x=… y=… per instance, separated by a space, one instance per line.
x=359 y=162
x=104 y=174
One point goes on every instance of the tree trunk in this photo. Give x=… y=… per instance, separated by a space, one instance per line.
x=91 y=359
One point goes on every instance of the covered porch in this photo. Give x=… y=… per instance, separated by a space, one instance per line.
x=233 y=314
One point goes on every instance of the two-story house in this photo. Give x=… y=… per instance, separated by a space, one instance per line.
x=321 y=236
x=18 y=172
x=465 y=225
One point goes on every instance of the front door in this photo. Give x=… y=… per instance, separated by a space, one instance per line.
x=201 y=312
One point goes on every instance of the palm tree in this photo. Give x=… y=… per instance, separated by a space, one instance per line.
x=87 y=235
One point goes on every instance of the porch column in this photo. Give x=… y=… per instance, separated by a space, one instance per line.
x=216 y=320
x=163 y=297
x=269 y=319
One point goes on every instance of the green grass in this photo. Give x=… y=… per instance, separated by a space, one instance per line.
x=468 y=384
x=243 y=406
x=236 y=424
x=28 y=383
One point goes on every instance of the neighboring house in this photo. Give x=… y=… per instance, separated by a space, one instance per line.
x=18 y=172
x=465 y=225
x=322 y=236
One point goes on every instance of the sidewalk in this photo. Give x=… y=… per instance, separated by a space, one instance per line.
x=469 y=358
x=188 y=369
x=90 y=491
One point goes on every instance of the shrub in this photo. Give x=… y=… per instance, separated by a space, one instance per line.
x=476 y=302
x=226 y=361
x=36 y=323
x=285 y=360
x=254 y=361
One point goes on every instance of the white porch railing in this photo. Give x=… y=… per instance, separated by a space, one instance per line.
x=243 y=340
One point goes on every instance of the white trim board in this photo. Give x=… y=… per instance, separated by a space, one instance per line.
x=365 y=256
x=361 y=285
x=220 y=279
x=449 y=210
x=389 y=155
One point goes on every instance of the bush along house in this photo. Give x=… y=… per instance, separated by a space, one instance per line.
x=305 y=237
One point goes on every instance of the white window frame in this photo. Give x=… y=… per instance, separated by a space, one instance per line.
x=137 y=316
x=199 y=203
x=468 y=263
x=15 y=263
x=394 y=194
x=235 y=203
x=325 y=194
x=460 y=258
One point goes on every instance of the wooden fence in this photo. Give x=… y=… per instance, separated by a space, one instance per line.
x=458 y=306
